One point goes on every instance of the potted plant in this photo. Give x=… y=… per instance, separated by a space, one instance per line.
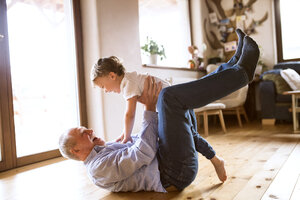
x=153 y=50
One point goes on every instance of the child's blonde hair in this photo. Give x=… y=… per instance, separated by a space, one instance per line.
x=106 y=65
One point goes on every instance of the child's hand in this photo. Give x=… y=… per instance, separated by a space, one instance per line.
x=124 y=139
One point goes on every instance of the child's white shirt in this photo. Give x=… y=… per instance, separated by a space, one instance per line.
x=133 y=84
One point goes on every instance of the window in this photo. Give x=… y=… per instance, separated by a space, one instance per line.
x=167 y=23
x=287 y=29
x=40 y=77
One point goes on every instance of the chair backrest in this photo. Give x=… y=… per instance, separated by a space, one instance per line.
x=234 y=99
x=211 y=67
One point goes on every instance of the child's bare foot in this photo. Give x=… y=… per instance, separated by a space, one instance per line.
x=219 y=165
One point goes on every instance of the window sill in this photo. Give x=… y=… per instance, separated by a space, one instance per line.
x=173 y=68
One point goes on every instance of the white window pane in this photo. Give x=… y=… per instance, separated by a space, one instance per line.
x=289 y=11
x=167 y=23
x=43 y=72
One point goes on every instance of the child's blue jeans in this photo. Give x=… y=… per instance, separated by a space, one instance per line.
x=179 y=141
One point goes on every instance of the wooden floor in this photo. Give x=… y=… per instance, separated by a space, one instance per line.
x=262 y=163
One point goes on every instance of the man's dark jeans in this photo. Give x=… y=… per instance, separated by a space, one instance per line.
x=179 y=141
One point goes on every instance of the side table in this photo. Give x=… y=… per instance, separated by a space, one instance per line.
x=295 y=108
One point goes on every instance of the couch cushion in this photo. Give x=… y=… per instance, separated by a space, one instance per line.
x=291 y=77
x=283 y=98
x=280 y=84
x=210 y=106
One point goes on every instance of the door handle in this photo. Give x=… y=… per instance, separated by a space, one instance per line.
x=1 y=37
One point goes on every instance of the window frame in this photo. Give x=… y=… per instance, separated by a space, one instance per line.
x=192 y=42
x=279 y=35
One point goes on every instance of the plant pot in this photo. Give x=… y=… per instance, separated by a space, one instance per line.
x=153 y=59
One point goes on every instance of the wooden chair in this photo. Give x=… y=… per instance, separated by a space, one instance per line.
x=239 y=110
x=210 y=109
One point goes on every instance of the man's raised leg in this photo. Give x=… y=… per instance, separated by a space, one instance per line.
x=203 y=147
x=249 y=57
x=177 y=152
x=234 y=59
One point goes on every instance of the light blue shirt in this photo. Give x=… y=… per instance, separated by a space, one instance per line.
x=131 y=166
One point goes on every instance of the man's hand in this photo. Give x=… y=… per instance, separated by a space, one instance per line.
x=150 y=93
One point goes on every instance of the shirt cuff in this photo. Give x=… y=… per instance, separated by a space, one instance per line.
x=150 y=116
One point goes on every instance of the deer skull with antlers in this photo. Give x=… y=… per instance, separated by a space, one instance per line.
x=226 y=25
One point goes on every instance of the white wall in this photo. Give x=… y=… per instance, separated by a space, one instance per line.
x=110 y=27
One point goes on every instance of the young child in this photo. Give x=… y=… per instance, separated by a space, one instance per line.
x=109 y=74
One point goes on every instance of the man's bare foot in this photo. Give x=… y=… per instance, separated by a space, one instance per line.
x=219 y=165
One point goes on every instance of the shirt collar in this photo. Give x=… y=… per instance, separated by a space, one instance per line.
x=93 y=153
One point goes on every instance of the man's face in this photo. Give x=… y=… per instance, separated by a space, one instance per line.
x=108 y=83
x=85 y=141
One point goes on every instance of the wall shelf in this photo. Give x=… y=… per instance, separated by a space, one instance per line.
x=173 y=68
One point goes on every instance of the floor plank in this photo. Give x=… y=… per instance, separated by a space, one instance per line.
x=286 y=179
x=242 y=173
x=296 y=192
x=261 y=180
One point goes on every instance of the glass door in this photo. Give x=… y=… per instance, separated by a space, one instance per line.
x=44 y=76
x=43 y=73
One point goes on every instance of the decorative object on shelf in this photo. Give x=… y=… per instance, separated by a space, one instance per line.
x=226 y=22
x=196 y=61
x=153 y=50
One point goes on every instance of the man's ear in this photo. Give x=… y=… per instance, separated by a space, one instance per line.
x=74 y=151
x=112 y=75
x=89 y=130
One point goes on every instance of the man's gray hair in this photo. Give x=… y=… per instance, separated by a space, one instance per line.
x=66 y=143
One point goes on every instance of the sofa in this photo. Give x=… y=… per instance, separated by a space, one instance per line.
x=275 y=105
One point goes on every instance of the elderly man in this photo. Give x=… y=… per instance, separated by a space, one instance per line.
x=164 y=154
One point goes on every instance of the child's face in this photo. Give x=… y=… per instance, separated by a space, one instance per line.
x=110 y=82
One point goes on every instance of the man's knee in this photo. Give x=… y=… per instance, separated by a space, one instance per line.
x=164 y=97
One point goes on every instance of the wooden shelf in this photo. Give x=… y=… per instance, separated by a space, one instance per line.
x=173 y=68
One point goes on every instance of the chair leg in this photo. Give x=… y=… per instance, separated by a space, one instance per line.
x=239 y=117
x=205 y=119
x=222 y=121
x=245 y=114
x=198 y=122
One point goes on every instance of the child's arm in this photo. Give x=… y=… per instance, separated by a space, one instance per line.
x=129 y=120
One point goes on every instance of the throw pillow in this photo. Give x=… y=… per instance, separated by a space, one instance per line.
x=291 y=77
x=280 y=84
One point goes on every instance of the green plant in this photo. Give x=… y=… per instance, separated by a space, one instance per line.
x=152 y=48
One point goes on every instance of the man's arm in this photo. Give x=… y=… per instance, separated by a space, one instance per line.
x=116 y=165
x=123 y=163
x=150 y=94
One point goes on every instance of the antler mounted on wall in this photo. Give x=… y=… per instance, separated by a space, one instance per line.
x=227 y=21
